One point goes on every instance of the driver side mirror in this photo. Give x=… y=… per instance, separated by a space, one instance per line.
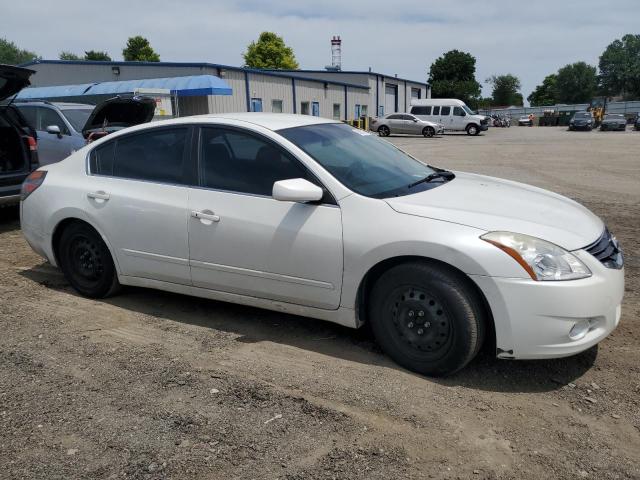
x=296 y=190
x=54 y=130
x=415 y=120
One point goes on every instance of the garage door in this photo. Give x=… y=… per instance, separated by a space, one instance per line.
x=390 y=98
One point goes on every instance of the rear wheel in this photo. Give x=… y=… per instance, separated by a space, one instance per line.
x=427 y=318
x=384 y=131
x=472 y=129
x=86 y=261
x=428 y=132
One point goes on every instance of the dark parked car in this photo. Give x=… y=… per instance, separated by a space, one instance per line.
x=18 y=141
x=581 y=121
x=636 y=121
x=613 y=122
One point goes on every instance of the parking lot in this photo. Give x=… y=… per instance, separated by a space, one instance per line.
x=155 y=385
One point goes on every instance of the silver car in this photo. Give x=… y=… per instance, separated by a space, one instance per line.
x=405 y=123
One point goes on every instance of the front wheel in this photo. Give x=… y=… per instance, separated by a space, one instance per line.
x=428 y=132
x=86 y=261
x=427 y=318
x=384 y=131
x=473 y=130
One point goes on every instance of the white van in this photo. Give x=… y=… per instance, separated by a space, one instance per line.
x=453 y=114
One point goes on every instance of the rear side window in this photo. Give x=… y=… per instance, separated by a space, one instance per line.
x=235 y=161
x=155 y=156
x=421 y=110
x=445 y=111
x=29 y=114
x=394 y=117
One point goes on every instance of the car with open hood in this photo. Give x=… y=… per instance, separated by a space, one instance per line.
x=312 y=217
x=613 y=122
x=18 y=141
x=64 y=127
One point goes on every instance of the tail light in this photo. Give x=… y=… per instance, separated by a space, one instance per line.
x=31 y=183
x=33 y=145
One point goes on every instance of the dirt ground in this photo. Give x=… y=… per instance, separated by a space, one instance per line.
x=150 y=385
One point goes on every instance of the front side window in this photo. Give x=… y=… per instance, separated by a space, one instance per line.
x=50 y=117
x=359 y=160
x=155 y=156
x=458 y=112
x=240 y=162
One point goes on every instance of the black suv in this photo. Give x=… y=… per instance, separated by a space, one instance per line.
x=18 y=140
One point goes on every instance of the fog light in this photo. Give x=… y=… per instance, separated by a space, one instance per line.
x=579 y=330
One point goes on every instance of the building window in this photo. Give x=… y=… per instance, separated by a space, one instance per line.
x=415 y=93
x=336 y=111
x=276 y=106
x=315 y=109
x=304 y=108
x=256 y=104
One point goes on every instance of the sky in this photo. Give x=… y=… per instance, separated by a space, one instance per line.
x=529 y=39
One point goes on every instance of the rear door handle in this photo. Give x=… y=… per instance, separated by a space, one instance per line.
x=205 y=215
x=100 y=195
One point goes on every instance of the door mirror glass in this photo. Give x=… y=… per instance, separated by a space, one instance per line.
x=53 y=129
x=296 y=190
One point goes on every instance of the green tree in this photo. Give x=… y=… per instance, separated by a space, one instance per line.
x=505 y=90
x=138 y=49
x=65 y=55
x=453 y=75
x=12 y=55
x=620 y=67
x=270 y=51
x=97 y=55
x=544 y=94
x=576 y=83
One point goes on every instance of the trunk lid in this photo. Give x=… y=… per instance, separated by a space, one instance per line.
x=13 y=79
x=118 y=113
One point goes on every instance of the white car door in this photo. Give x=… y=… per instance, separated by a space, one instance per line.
x=458 y=118
x=243 y=241
x=137 y=195
x=446 y=118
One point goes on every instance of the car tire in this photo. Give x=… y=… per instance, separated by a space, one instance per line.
x=449 y=325
x=384 y=131
x=472 y=129
x=428 y=132
x=86 y=261
x=570 y=128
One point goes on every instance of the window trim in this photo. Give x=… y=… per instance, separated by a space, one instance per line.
x=328 y=197
x=191 y=172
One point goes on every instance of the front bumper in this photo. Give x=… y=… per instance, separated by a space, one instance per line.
x=534 y=319
x=484 y=128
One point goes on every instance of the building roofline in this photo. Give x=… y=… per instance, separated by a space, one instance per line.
x=361 y=72
x=274 y=73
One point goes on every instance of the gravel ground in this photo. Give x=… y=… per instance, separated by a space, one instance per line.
x=151 y=385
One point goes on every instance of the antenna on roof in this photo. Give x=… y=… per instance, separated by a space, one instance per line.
x=336 y=54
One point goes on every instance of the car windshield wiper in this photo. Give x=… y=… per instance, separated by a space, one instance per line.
x=443 y=174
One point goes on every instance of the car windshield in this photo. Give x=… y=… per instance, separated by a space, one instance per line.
x=77 y=117
x=613 y=117
x=361 y=161
x=582 y=115
x=468 y=110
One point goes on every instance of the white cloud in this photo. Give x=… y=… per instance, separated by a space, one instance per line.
x=528 y=39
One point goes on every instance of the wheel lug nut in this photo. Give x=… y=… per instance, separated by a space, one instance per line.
x=411 y=313
x=421 y=313
x=427 y=324
x=410 y=325
x=420 y=331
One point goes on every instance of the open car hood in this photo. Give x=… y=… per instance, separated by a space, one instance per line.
x=13 y=79
x=119 y=112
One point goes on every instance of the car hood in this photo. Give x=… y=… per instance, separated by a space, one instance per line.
x=13 y=79
x=120 y=112
x=615 y=120
x=494 y=204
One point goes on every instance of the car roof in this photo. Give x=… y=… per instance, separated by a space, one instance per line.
x=436 y=101
x=272 y=121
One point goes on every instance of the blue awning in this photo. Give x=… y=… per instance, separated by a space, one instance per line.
x=194 y=85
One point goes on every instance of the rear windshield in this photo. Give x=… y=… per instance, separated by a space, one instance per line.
x=77 y=117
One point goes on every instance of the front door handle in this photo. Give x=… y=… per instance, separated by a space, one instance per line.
x=205 y=216
x=100 y=195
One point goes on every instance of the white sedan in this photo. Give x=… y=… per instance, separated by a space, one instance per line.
x=312 y=217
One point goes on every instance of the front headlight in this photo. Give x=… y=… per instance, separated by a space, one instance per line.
x=542 y=260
